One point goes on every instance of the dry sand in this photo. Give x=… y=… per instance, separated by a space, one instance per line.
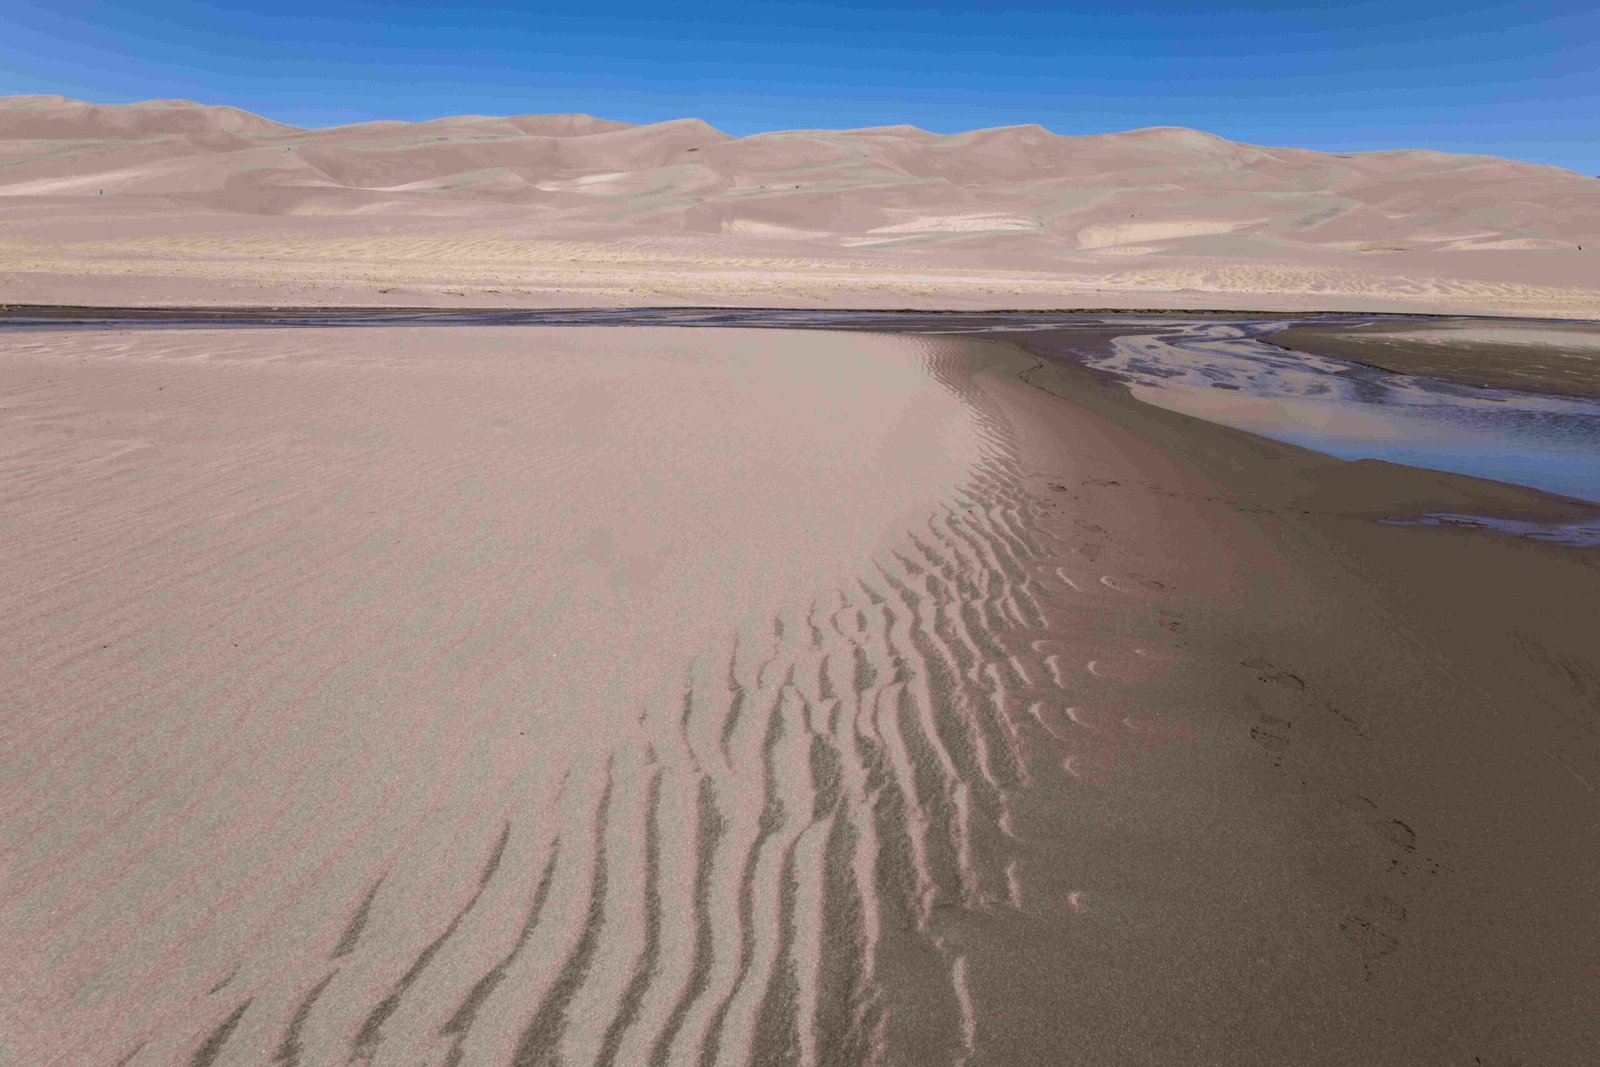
x=428 y=695
x=170 y=202
x=330 y=648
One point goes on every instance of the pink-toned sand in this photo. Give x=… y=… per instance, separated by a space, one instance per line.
x=635 y=696
x=169 y=202
x=495 y=696
x=406 y=694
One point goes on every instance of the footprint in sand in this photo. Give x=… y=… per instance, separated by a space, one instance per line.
x=1348 y=722
x=1396 y=833
x=1269 y=672
x=1356 y=802
x=1399 y=841
x=1373 y=928
x=1405 y=855
x=1272 y=734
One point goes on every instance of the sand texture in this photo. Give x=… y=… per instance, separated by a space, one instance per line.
x=1536 y=357
x=665 y=696
x=389 y=684
x=169 y=202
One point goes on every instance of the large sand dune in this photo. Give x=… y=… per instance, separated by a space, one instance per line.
x=175 y=202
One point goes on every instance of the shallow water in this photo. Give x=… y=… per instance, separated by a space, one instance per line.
x=1579 y=534
x=1225 y=373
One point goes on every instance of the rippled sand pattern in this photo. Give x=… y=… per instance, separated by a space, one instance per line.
x=493 y=696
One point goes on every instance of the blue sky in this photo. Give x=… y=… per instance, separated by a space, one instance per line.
x=1517 y=80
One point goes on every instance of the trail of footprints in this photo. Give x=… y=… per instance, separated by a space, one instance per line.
x=773 y=866
x=1374 y=924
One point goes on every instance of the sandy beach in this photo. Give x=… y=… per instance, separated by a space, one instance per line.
x=461 y=695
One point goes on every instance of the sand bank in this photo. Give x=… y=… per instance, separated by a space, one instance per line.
x=1539 y=357
x=1372 y=842
x=1230 y=372
x=640 y=696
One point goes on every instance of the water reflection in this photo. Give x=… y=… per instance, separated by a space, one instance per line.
x=1223 y=372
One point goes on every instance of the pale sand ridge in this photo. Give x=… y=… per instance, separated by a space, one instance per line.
x=622 y=696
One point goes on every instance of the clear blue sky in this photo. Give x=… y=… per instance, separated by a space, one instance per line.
x=1517 y=80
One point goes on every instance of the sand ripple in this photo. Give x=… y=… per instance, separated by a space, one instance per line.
x=350 y=729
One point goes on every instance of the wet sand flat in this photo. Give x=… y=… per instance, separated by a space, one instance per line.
x=493 y=695
x=1379 y=848
x=1537 y=357
x=1232 y=373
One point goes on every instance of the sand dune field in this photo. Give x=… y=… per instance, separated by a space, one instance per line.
x=169 y=202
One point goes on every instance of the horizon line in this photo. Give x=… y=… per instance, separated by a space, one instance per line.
x=4 y=97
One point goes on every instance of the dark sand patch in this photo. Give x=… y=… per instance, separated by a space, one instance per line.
x=1377 y=847
x=1535 y=357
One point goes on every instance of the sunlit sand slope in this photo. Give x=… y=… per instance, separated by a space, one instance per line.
x=507 y=696
x=169 y=201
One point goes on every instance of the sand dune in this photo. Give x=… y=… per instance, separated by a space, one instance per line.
x=661 y=705
x=110 y=199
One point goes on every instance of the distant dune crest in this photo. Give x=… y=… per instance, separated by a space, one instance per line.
x=1420 y=229
x=1169 y=186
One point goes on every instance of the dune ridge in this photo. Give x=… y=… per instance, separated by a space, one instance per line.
x=353 y=798
x=548 y=210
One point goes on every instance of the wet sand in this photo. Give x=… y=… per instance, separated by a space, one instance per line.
x=639 y=696
x=1538 y=357
x=1384 y=852
x=1229 y=372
